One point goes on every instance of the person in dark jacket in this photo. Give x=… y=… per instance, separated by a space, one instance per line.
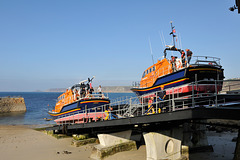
x=183 y=58
x=189 y=55
x=91 y=90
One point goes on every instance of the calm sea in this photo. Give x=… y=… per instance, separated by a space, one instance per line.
x=38 y=104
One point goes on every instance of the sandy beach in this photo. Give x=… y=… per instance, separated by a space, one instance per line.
x=23 y=142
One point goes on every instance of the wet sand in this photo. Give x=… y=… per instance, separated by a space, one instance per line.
x=22 y=142
x=222 y=145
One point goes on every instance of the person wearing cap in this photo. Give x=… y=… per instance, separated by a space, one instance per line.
x=189 y=55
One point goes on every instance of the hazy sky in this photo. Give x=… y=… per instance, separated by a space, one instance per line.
x=56 y=43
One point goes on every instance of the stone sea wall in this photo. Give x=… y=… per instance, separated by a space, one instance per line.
x=12 y=104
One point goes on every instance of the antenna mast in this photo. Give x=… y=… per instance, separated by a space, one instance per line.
x=173 y=31
x=151 y=50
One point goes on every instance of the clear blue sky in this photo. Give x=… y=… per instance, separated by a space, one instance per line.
x=56 y=43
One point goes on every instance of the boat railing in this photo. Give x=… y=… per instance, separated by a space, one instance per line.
x=136 y=83
x=121 y=100
x=203 y=60
x=94 y=95
x=152 y=104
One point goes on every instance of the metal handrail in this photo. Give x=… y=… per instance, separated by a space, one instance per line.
x=206 y=59
x=137 y=106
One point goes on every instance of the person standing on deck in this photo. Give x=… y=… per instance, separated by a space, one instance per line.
x=183 y=58
x=99 y=90
x=189 y=55
x=74 y=95
x=83 y=91
x=88 y=88
x=91 y=90
x=173 y=60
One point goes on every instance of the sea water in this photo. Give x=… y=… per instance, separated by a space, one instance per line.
x=38 y=104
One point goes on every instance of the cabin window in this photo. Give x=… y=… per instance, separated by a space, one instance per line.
x=143 y=74
x=147 y=71
x=153 y=68
x=150 y=70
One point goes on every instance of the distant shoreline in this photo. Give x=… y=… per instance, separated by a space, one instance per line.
x=107 y=89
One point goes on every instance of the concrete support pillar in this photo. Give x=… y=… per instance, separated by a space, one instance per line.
x=194 y=136
x=114 y=138
x=113 y=143
x=161 y=147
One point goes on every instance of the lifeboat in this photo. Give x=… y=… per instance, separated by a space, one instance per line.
x=77 y=101
x=177 y=77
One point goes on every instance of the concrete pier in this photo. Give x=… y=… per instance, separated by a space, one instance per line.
x=172 y=142
x=161 y=147
x=12 y=104
x=194 y=136
x=114 y=138
x=113 y=143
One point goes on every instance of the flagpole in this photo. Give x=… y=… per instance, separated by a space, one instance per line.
x=172 y=34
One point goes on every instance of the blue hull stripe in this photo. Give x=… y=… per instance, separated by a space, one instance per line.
x=168 y=81
x=170 y=78
x=76 y=108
